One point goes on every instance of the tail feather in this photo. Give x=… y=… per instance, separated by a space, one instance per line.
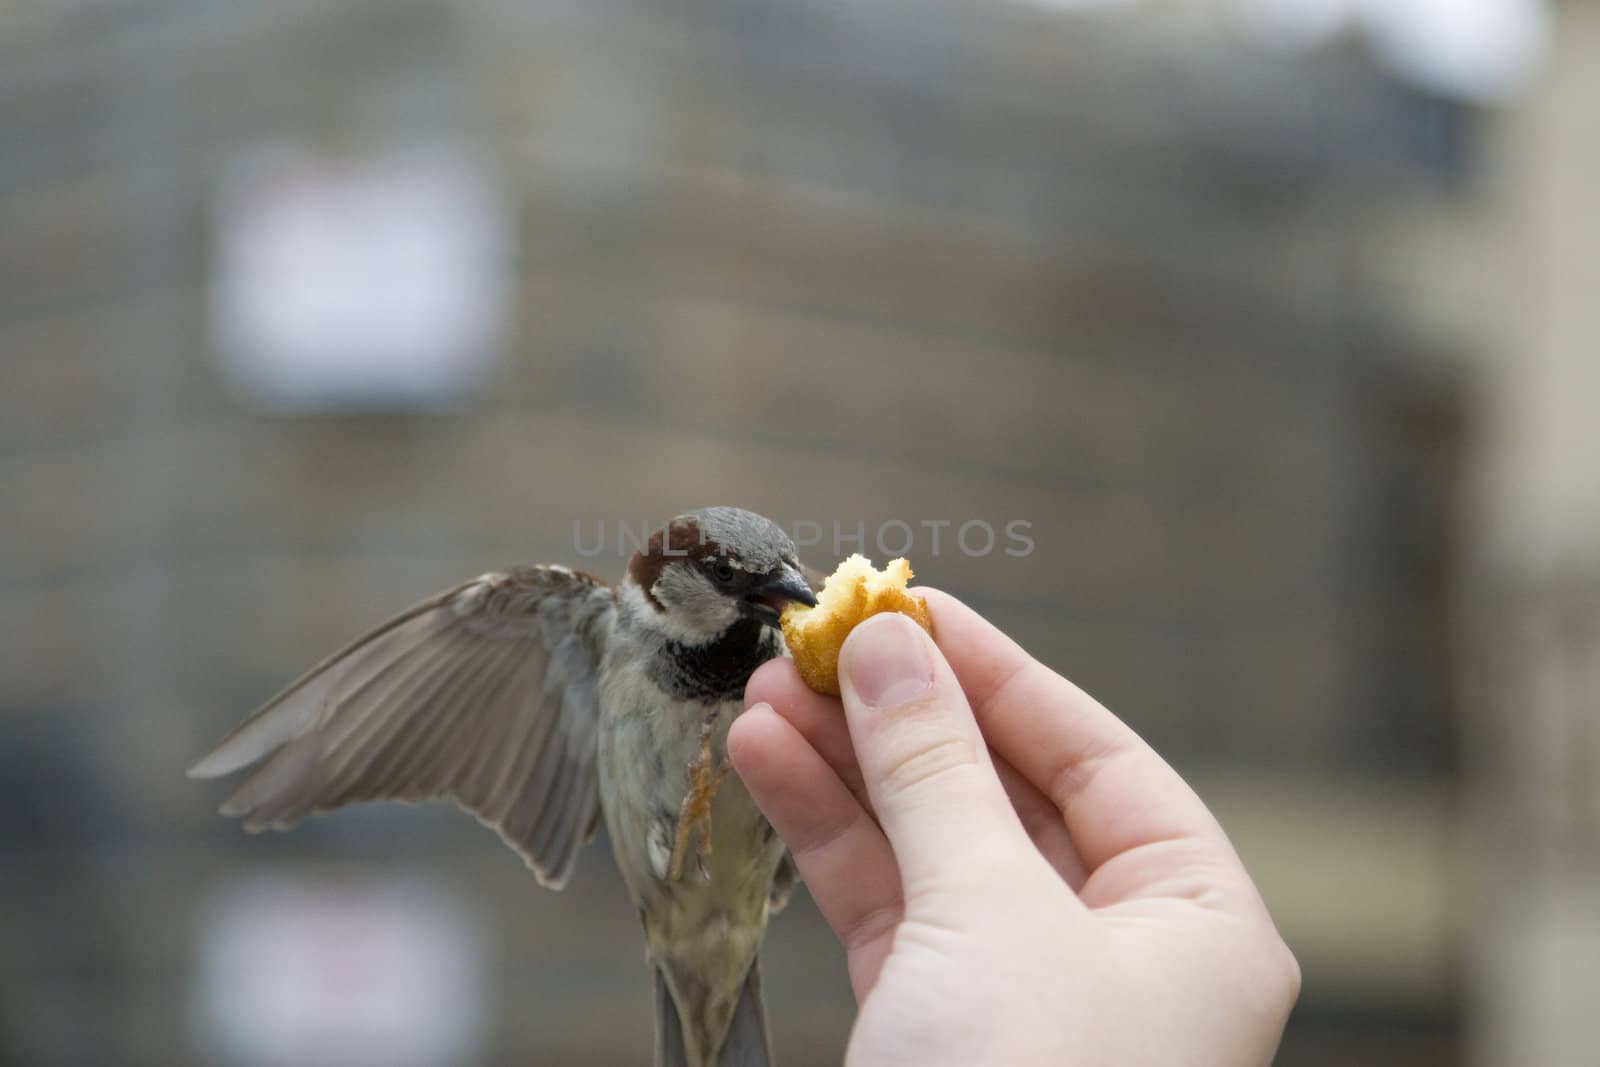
x=671 y=1051
x=747 y=1043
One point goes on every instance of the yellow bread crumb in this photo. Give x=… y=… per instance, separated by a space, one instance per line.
x=853 y=592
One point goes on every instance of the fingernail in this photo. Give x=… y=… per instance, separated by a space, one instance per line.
x=888 y=663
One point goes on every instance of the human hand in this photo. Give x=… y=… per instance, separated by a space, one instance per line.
x=1057 y=895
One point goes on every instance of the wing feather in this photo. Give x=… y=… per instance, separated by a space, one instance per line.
x=485 y=695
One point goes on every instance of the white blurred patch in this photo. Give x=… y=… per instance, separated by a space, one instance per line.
x=1476 y=50
x=1480 y=50
x=301 y=973
x=380 y=282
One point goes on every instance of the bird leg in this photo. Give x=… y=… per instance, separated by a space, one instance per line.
x=694 y=814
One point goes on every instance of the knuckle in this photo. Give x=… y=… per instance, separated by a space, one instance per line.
x=869 y=926
x=1288 y=971
x=807 y=839
x=1274 y=979
x=926 y=755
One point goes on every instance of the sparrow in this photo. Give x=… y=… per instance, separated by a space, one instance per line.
x=541 y=699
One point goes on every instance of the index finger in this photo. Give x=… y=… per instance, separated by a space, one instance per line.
x=1115 y=793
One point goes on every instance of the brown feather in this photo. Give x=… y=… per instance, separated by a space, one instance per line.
x=484 y=694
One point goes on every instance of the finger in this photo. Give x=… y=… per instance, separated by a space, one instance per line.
x=1113 y=791
x=925 y=764
x=840 y=851
x=1043 y=823
x=820 y=719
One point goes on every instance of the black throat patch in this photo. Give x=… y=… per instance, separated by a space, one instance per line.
x=718 y=670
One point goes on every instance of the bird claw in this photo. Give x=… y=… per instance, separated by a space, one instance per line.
x=694 y=814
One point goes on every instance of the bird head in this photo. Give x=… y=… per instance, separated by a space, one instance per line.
x=707 y=570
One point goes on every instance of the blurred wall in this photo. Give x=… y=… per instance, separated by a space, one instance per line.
x=1496 y=287
x=831 y=262
x=1535 y=580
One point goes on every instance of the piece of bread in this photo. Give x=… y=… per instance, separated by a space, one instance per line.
x=853 y=592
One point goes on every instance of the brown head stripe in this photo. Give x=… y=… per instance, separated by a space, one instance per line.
x=682 y=540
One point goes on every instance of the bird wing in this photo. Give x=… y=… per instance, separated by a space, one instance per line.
x=485 y=695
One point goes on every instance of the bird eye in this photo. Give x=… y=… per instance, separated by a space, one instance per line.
x=722 y=571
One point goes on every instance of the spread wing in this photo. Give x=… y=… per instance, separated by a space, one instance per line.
x=485 y=695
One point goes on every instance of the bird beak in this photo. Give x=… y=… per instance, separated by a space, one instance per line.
x=776 y=591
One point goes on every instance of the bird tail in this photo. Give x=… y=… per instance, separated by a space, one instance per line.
x=746 y=1044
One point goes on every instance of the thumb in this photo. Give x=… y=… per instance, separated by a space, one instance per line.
x=923 y=759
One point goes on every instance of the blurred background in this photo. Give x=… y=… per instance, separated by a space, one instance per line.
x=1275 y=320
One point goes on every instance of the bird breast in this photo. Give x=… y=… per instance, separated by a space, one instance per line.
x=647 y=743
